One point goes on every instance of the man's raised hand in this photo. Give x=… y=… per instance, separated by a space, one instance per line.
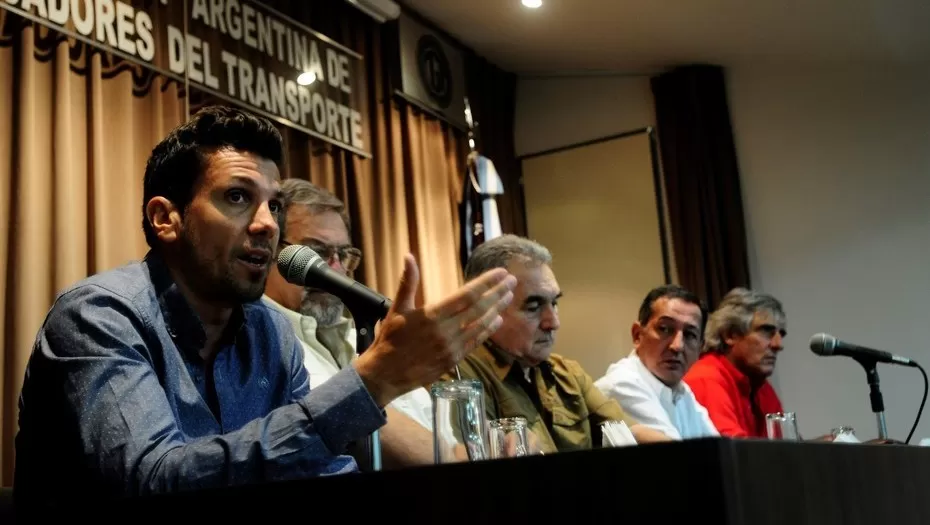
x=415 y=346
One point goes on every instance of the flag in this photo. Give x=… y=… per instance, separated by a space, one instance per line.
x=478 y=217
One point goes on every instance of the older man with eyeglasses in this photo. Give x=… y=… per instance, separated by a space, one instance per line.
x=317 y=219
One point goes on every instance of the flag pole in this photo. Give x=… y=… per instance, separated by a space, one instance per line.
x=469 y=119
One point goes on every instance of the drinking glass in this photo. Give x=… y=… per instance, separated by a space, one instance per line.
x=507 y=437
x=459 y=421
x=782 y=425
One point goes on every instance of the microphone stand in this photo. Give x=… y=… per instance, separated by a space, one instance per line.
x=365 y=335
x=875 y=394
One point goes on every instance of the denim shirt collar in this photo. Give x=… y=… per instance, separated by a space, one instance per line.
x=184 y=325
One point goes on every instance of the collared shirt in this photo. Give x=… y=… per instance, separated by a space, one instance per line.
x=560 y=402
x=736 y=409
x=671 y=410
x=327 y=350
x=117 y=401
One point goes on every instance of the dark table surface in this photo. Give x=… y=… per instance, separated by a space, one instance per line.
x=719 y=481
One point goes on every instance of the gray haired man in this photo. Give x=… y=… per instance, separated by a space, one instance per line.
x=741 y=345
x=520 y=374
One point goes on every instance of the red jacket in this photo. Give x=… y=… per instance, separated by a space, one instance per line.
x=726 y=393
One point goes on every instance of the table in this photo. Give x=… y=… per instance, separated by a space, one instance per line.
x=718 y=481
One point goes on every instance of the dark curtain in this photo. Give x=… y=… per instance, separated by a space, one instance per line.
x=702 y=180
x=492 y=94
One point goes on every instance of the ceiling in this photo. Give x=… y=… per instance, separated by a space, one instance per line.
x=643 y=36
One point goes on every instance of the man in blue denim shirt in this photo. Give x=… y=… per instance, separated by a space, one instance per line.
x=170 y=375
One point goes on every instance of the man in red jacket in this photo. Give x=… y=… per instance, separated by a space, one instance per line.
x=741 y=345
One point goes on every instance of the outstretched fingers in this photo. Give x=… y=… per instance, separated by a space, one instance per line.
x=477 y=330
x=472 y=293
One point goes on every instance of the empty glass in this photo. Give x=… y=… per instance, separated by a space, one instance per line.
x=782 y=425
x=459 y=421
x=507 y=437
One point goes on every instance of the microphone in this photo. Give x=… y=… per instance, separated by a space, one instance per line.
x=302 y=266
x=826 y=344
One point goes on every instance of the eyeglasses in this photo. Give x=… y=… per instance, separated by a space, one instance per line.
x=349 y=256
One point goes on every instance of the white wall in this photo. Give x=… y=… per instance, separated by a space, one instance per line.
x=554 y=112
x=835 y=168
x=557 y=111
x=603 y=280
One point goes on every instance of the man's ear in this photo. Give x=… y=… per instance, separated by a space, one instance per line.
x=164 y=218
x=637 y=332
x=729 y=337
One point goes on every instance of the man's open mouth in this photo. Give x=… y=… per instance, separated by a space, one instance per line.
x=256 y=258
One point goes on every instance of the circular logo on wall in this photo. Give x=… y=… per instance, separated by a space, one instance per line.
x=435 y=71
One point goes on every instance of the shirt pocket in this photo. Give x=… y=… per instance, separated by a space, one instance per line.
x=566 y=418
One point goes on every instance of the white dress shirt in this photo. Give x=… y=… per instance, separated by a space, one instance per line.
x=328 y=350
x=672 y=411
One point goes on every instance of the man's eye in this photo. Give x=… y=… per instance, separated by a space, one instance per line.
x=321 y=249
x=275 y=206
x=236 y=196
x=532 y=307
x=665 y=329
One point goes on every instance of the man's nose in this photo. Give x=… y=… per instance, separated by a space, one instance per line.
x=550 y=320
x=264 y=222
x=777 y=343
x=678 y=342
x=335 y=262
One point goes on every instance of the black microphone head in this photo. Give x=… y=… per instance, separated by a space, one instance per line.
x=295 y=261
x=823 y=344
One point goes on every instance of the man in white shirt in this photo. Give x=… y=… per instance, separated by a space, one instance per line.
x=316 y=218
x=667 y=340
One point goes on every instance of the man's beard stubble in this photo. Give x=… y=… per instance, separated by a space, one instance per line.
x=327 y=309
x=212 y=278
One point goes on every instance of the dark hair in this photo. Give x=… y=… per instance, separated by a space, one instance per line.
x=178 y=161
x=670 y=291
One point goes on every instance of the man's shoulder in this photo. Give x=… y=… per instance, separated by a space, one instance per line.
x=707 y=367
x=482 y=357
x=126 y=283
x=622 y=373
x=623 y=369
x=707 y=375
x=119 y=303
x=469 y=366
x=479 y=364
x=560 y=362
